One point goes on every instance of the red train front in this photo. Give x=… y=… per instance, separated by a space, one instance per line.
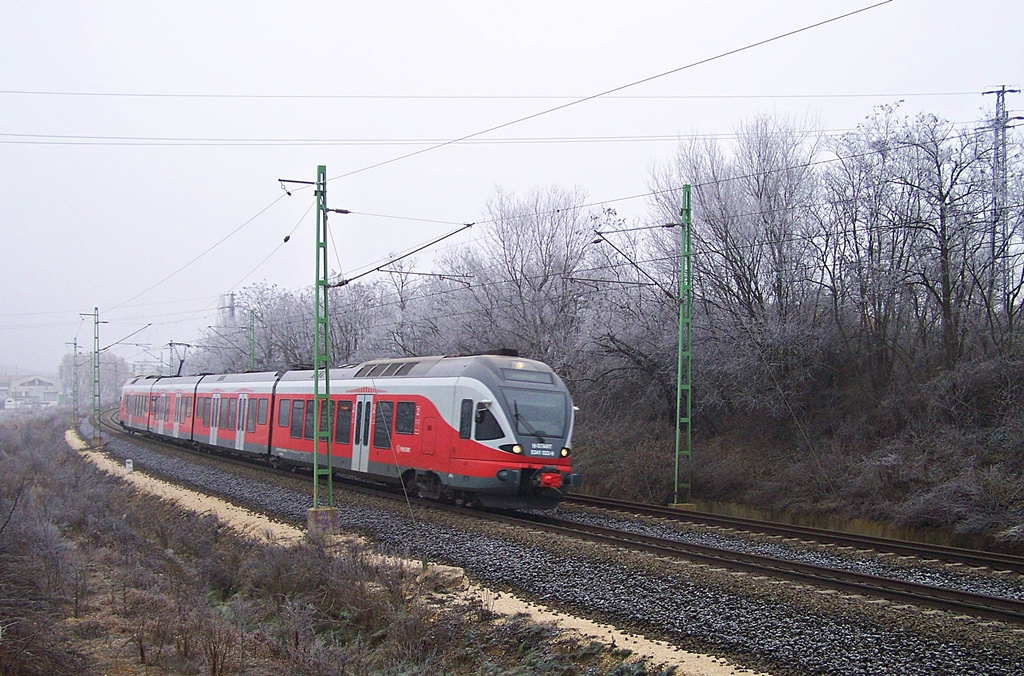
x=490 y=429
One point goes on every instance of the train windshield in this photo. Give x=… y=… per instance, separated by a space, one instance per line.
x=538 y=414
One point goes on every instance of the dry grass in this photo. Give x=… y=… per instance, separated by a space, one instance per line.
x=98 y=578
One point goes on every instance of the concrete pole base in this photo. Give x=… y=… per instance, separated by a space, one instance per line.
x=323 y=521
x=689 y=506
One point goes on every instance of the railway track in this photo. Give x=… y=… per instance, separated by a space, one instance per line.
x=899 y=591
x=924 y=551
x=847 y=582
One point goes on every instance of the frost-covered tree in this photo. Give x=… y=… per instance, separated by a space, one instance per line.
x=522 y=294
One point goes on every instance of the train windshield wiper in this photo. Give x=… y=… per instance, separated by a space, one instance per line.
x=521 y=420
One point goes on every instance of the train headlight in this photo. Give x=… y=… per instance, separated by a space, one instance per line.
x=565 y=452
x=517 y=449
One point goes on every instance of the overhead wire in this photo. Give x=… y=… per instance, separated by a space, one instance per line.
x=473 y=97
x=530 y=117
x=613 y=90
x=202 y=254
x=72 y=139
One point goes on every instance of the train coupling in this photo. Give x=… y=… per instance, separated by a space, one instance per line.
x=550 y=477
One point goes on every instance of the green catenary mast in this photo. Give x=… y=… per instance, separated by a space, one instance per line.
x=97 y=440
x=683 y=370
x=252 y=340
x=321 y=351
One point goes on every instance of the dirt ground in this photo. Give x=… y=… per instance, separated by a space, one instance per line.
x=253 y=525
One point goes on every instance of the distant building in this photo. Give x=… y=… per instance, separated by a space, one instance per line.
x=31 y=392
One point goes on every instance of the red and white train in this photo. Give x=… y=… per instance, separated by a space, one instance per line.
x=485 y=429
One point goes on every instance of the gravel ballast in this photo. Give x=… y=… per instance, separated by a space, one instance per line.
x=762 y=623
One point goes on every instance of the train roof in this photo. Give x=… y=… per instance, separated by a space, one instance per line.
x=484 y=367
x=435 y=367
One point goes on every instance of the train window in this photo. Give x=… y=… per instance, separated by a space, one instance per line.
x=232 y=413
x=466 y=419
x=307 y=428
x=214 y=413
x=359 y=423
x=284 y=412
x=366 y=423
x=382 y=424
x=343 y=422
x=323 y=414
x=205 y=406
x=406 y=367
x=392 y=369
x=261 y=415
x=241 y=414
x=225 y=410
x=361 y=373
x=188 y=407
x=250 y=423
x=487 y=426
x=405 y=417
x=298 y=407
x=539 y=413
x=377 y=370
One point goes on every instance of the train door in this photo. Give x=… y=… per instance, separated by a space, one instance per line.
x=361 y=438
x=177 y=413
x=240 y=424
x=214 y=419
x=162 y=417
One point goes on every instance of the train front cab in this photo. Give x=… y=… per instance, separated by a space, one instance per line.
x=515 y=420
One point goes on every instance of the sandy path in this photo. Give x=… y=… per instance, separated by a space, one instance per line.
x=256 y=526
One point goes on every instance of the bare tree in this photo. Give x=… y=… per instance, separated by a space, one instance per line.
x=523 y=296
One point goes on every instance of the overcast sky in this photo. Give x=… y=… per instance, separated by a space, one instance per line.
x=134 y=136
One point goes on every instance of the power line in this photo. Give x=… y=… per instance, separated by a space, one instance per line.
x=614 y=89
x=211 y=248
x=471 y=97
x=533 y=116
x=182 y=141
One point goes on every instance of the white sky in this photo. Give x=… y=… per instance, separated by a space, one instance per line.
x=87 y=222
